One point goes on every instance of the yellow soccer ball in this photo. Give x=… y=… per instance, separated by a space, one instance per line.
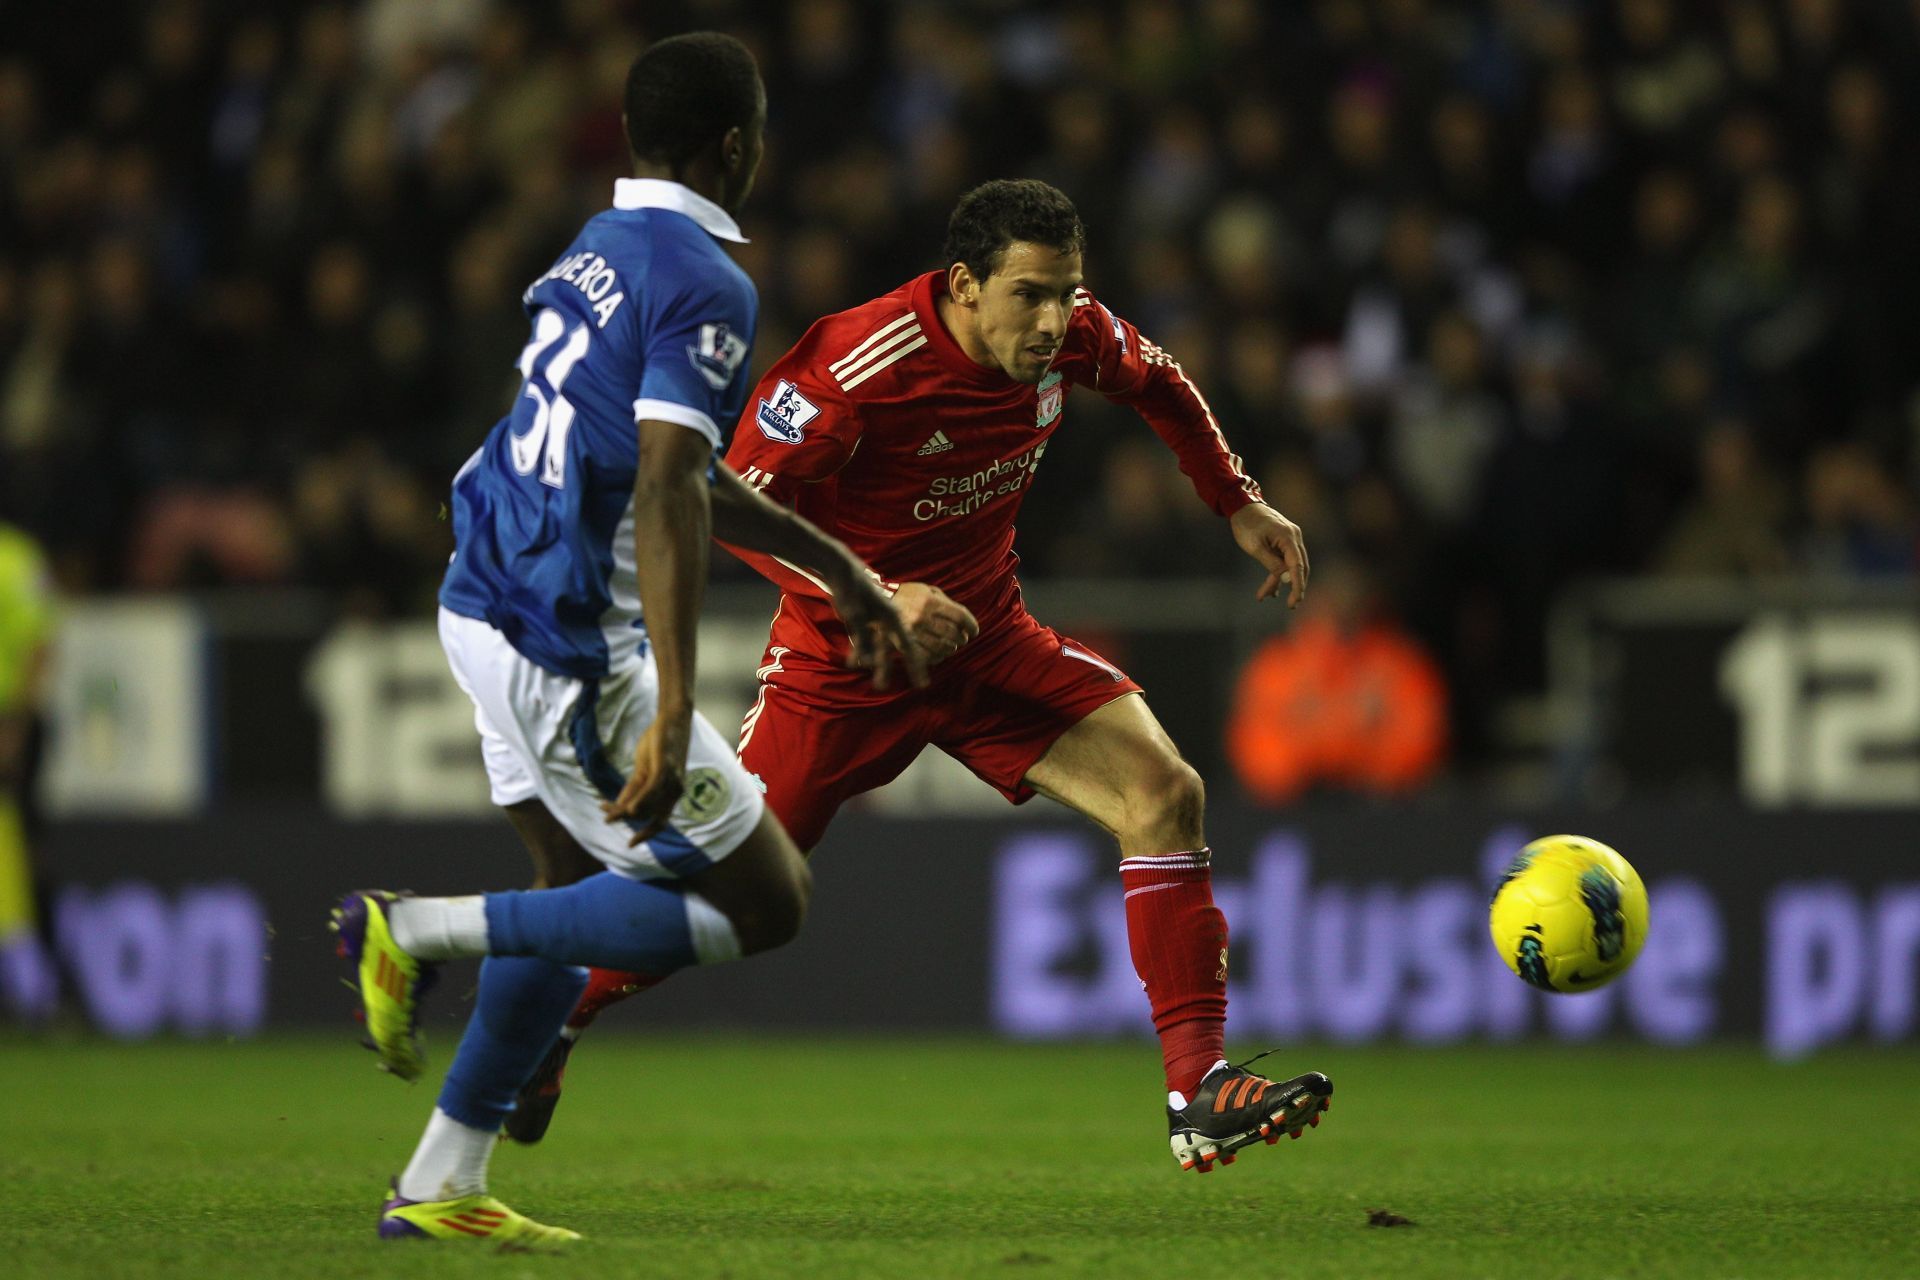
x=1569 y=914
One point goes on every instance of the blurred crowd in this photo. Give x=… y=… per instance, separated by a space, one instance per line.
x=1491 y=295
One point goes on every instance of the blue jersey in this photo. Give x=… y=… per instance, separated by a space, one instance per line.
x=643 y=317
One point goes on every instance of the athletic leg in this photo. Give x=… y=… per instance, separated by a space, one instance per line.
x=810 y=752
x=809 y=757
x=559 y=860
x=545 y=741
x=761 y=888
x=1042 y=713
x=524 y=1000
x=520 y=1002
x=1047 y=715
x=725 y=885
x=1119 y=768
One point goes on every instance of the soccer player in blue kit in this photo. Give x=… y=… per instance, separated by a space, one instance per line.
x=589 y=508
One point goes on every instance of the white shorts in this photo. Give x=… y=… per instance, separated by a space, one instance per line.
x=569 y=743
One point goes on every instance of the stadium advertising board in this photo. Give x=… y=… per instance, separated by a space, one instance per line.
x=1783 y=701
x=1355 y=926
x=1327 y=950
x=1788 y=695
x=139 y=959
x=131 y=696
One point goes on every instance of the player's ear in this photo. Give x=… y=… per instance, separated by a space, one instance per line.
x=733 y=149
x=961 y=286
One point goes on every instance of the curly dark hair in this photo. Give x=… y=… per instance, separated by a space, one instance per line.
x=995 y=215
x=685 y=92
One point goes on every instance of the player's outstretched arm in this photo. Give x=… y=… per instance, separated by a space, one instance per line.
x=749 y=520
x=672 y=523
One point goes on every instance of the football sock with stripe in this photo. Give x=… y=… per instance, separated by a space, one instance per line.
x=609 y=921
x=1178 y=940
x=606 y=920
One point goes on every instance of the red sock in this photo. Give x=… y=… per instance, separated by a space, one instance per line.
x=1179 y=943
x=606 y=987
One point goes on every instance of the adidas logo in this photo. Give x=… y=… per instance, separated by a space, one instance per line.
x=938 y=444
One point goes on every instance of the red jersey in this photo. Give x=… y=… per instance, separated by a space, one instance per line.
x=881 y=430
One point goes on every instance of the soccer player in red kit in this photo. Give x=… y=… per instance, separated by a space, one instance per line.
x=911 y=428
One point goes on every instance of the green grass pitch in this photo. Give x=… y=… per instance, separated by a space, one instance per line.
x=753 y=1157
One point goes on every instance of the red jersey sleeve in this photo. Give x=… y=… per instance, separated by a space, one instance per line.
x=1116 y=359
x=798 y=429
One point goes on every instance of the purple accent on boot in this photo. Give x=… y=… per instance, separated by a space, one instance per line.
x=392 y=1228
x=353 y=931
x=353 y=923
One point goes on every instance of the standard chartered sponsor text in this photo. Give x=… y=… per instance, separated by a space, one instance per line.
x=964 y=494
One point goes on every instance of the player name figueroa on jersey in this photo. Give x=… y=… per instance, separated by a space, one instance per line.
x=643 y=317
x=880 y=429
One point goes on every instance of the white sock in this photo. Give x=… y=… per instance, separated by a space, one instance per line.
x=450 y=1162
x=440 y=928
x=714 y=939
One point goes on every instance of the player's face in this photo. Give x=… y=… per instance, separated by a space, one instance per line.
x=1021 y=311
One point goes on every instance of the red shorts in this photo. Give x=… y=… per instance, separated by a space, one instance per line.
x=818 y=736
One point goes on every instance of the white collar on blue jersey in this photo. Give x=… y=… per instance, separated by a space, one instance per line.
x=658 y=193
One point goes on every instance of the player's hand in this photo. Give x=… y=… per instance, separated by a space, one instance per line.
x=876 y=629
x=1277 y=543
x=659 y=776
x=940 y=623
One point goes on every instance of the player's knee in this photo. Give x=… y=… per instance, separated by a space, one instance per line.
x=775 y=915
x=1168 y=804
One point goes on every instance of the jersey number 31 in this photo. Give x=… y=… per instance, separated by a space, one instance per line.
x=552 y=415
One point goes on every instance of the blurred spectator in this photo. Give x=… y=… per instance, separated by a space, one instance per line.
x=197 y=537
x=1573 y=159
x=1648 y=317
x=1393 y=308
x=1354 y=193
x=1446 y=424
x=1345 y=701
x=1734 y=527
x=1866 y=196
x=1144 y=521
x=478 y=338
x=1861 y=521
x=368 y=535
x=1665 y=76
x=1323 y=406
x=1764 y=309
